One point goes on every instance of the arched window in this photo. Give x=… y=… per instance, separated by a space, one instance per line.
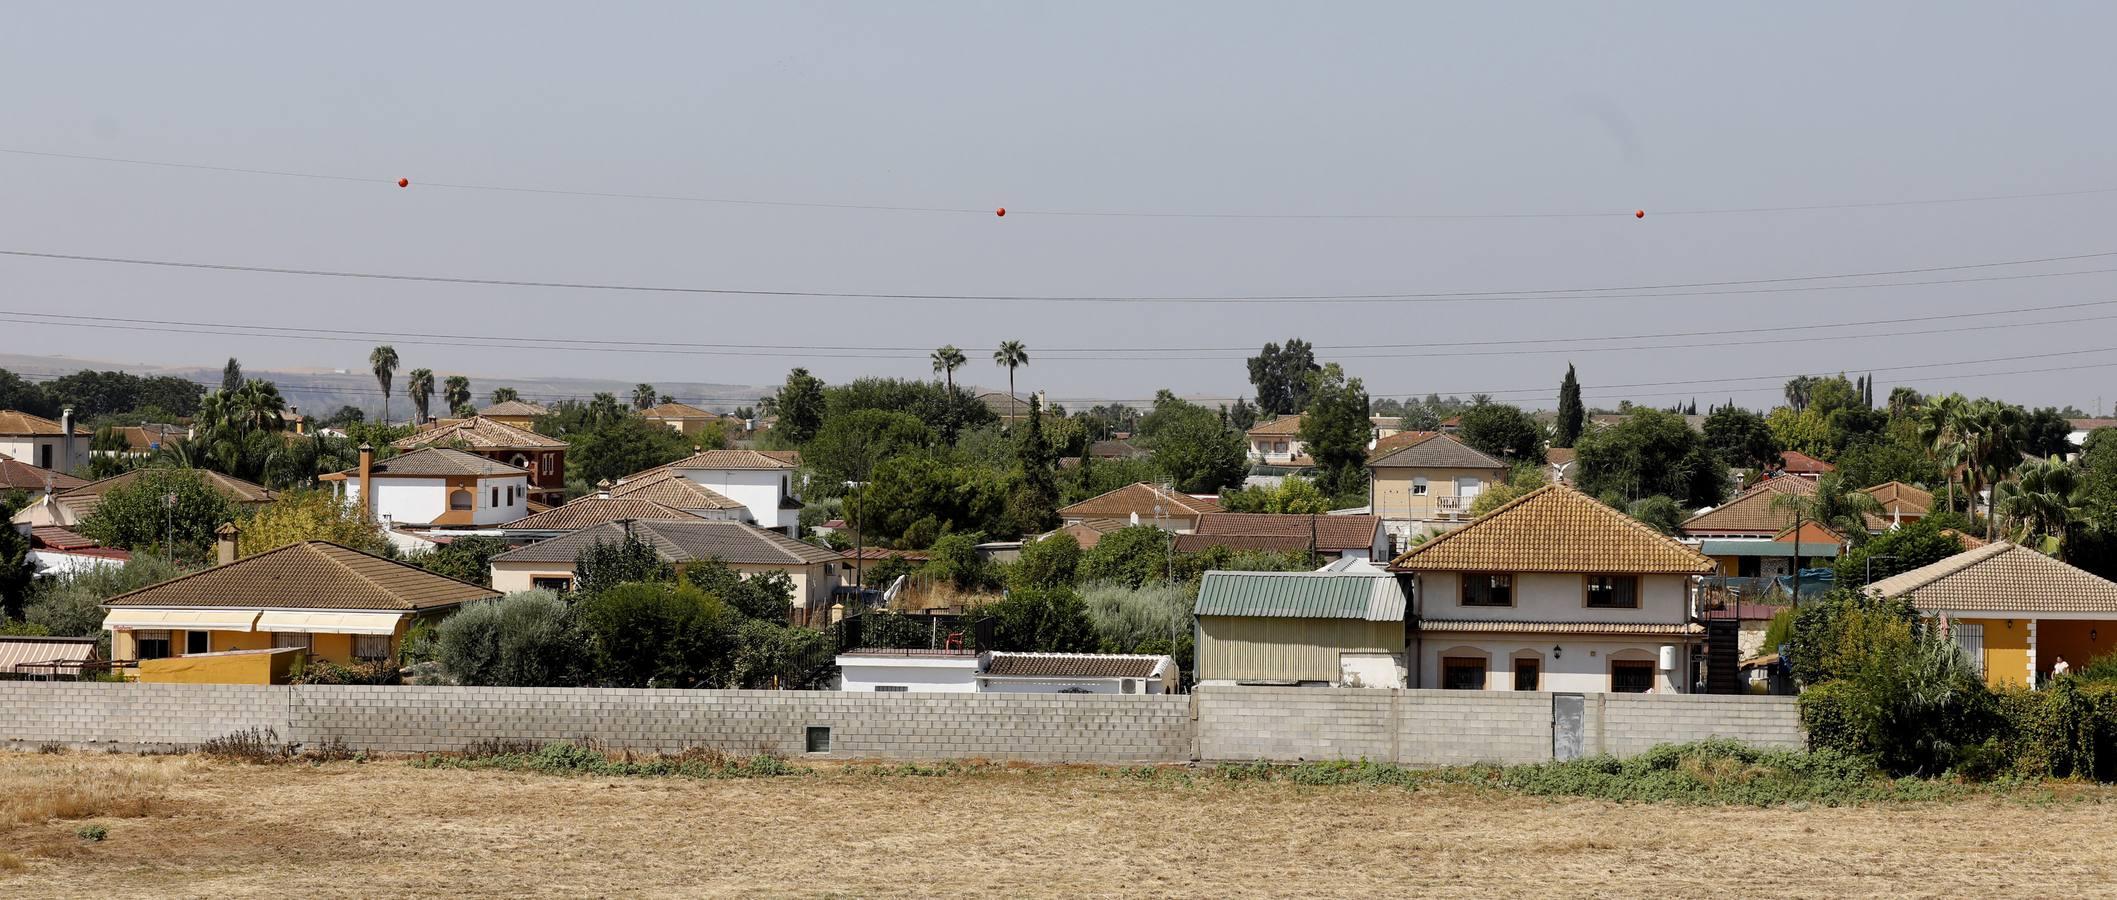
x=461 y=499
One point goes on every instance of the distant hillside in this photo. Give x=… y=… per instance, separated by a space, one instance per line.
x=322 y=391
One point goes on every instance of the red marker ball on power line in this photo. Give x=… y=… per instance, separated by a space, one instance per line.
x=1639 y=214
x=404 y=182
x=1001 y=212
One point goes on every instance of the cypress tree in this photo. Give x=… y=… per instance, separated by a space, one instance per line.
x=1570 y=414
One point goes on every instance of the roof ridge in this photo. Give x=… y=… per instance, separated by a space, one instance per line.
x=1981 y=554
x=1569 y=494
x=190 y=575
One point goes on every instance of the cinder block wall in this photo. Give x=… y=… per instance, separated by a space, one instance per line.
x=143 y=716
x=1464 y=727
x=1633 y=723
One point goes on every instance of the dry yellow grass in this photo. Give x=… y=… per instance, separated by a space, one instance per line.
x=387 y=829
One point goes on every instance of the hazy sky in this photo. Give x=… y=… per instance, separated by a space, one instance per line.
x=1333 y=109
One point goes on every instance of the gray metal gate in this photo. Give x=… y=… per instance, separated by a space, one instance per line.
x=1568 y=730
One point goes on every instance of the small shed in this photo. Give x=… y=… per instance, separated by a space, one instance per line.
x=1301 y=628
x=1078 y=673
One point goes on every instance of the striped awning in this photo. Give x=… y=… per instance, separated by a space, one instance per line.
x=330 y=622
x=135 y=618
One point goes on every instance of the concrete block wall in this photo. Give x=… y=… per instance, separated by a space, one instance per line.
x=86 y=714
x=1292 y=724
x=1446 y=728
x=1634 y=723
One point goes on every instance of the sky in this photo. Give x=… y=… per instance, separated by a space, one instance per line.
x=1283 y=149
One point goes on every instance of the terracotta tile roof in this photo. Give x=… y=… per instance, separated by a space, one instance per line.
x=1074 y=665
x=676 y=411
x=1087 y=533
x=736 y=459
x=1116 y=450
x=1798 y=463
x=83 y=500
x=143 y=438
x=1750 y=512
x=669 y=488
x=1279 y=427
x=2092 y=424
x=733 y=542
x=58 y=538
x=16 y=475
x=1141 y=498
x=877 y=554
x=2001 y=577
x=436 y=462
x=1390 y=423
x=310 y=575
x=1896 y=496
x=1265 y=531
x=592 y=510
x=1555 y=529
x=21 y=424
x=1489 y=626
x=480 y=433
x=1969 y=541
x=513 y=408
x=1430 y=451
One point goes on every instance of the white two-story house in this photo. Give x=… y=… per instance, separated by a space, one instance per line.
x=1554 y=592
x=763 y=482
x=435 y=488
x=59 y=446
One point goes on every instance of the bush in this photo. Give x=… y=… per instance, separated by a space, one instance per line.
x=525 y=639
x=1050 y=562
x=71 y=605
x=767 y=596
x=2067 y=729
x=1835 y=634
x=1911 y=701
x=464 y=559
x=657 y=635
x=318 y=671
x=1042 y=620
x=601 y=566
x=956 y=561
x=1132 y=556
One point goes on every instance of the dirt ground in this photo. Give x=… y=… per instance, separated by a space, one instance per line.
x=188 y=826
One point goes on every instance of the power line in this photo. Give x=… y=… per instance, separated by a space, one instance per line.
x=380 y=180
x=1548 y=294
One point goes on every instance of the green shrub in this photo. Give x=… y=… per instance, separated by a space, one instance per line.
x=1837 y=633
x=657 y=635
x=1047 y=563
x=525 y=639
x=1910 y=701
x=2066 y=730
x=1044 y=620
x=318 y=671
x=582 y=758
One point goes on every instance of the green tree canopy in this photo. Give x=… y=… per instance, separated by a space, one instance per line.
x=1281 y=377
x=801 y=407
x=1741 y=438
x=1572 y=417
x=1051 y=562
x=525 y=639
x=1131 y=556
x=298 y=516
x=657 y=634
x=1041 y=619
x=1294 y=495
x=139 y=516
x=850 y=445
x=1336 y=430
x=620 y=447
x=1502 y=431
x=1190 y=446
x=466 y=558
x=602 y=566
x=1651 y=452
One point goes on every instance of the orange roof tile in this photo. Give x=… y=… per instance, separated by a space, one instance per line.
x=310 y=575
x=2001 y=578
x=14 y=423
x=1284 y=425
x=1555 y=529
x=1140 y=498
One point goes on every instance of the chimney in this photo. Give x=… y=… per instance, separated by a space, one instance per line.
x=66 y=441
x=224 y=541
x=367 y=490
x=294 y=412
x=602 y=489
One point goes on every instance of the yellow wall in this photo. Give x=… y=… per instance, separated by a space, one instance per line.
x=2070 y=639
x=2006 y=650
x=244 y=668
x=1392 y=489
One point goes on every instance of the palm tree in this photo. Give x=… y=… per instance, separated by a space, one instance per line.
x=455 y=393
x=419 y=385
x=1012 y=355
x=642 y=395
x=2045 y=499
x=1834 y=506
x=1903 y=401
x=257 y=406
x=383 y=362
x=946 y=361
x=1939 y=422
x=1992 y=438
x=502 y=395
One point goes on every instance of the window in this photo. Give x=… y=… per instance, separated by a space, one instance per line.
x=460 y=499
x=371 y=647
x=1279 y=447
x=284 y=639
x=1487 y=589
x=891 y=688
x=819 y=739
x=1971 y=638
x=1462 y=673
x=1418 y=486
x=496 y=496
x=44 y=456
x=1528 y=674
x=548 y=462
x=1631 y=676
x=555 y=583
x=151 y=644
x=1613 y=591
x=197 y=642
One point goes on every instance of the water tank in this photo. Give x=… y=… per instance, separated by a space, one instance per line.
x=1668 y=657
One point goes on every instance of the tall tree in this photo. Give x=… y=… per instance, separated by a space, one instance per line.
x=1242 y=416
x=1280 y=375
x=231 y=375
x=419 y=385
x=2044 y=503
x=1011 y=355
x=1940 y=429
x=800 y=406
x=504 y=394
x=1571 y=415
x=1503 y=431
x=1191 y=447
x=455 y=394
x=643 y=396
x=1336 y=430
x=383 y=362
x=1032 y=506
x=1651 y=452
x=947 y=360
x=1741 y=438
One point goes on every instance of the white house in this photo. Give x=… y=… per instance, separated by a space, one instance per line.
x=1554 y=592
x=60 y=446
x=924 y=671
x=435 y=487
x=762 y=482
x=1278 y=442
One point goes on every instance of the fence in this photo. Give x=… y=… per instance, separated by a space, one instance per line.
x=1411 y=727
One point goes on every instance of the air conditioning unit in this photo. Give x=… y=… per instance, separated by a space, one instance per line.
x=1129 y=686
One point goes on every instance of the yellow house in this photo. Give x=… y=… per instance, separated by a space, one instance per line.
x=337 y=603
x=1423 y=479
x=518 y=413
x=682 y=418
x=2016 y=612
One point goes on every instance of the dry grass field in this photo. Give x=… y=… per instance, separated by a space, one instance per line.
x=191 y=826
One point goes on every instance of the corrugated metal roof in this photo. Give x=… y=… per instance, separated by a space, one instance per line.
x=1302 y=595
x=15 y=651
x=1766 y=548
x=1074 y=665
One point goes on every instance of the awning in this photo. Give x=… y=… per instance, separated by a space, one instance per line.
x=137 y=618
x=331 y=622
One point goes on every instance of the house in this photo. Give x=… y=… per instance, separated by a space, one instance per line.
x=682 y=418
x=668 y=488
x=1420 y=480
x=1141 y=503
x=1751 y=537
x=747 y=549
x=1117 y=449
x=1554 y=591
x=1087 y=532
x=1010 y=408
x=61 y=446
x=1330 y=537
x=69 y=507
x=1902 y=504
x=2014 y=610
x=1797 y=463
x=965 y=672
x=599 y=508
x=1311 y=629
x=334 y=602
x=39 y=657
x=143 y=440
x=61 y=551
x=1278 y=443
x=16 y=475
x=762 y=481
x=542 y=457
x=515 y=413
x=1386 y=426
x=1078 y=673
x=434 y=487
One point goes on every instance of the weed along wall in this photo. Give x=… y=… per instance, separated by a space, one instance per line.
x=1219 y=723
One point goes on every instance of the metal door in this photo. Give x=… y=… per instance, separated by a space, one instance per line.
x=1568 y=713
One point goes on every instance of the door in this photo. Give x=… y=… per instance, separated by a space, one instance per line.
x=1528 y=674
x=1467 y=489
x=1568 y=711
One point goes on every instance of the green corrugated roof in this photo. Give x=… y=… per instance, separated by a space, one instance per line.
x=1302 y=595
x=1809 y=549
